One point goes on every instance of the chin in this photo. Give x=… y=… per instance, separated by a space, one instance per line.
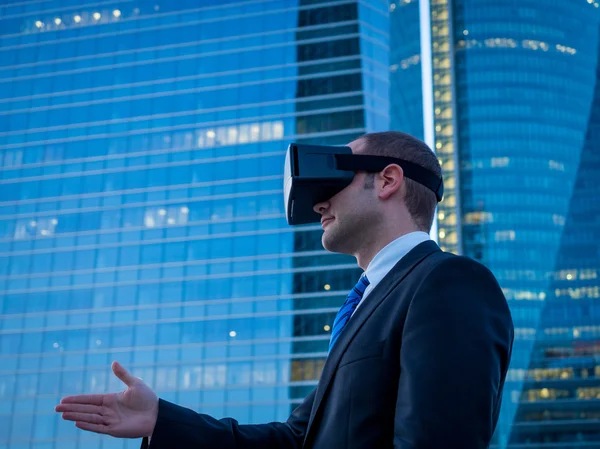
x=333 y=244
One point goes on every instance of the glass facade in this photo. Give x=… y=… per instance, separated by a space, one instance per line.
x=515 y=119
x=141 y=153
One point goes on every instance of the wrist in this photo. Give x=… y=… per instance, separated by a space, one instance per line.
x=153 y=418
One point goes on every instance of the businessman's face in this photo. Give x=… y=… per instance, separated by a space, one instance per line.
x=349 y=218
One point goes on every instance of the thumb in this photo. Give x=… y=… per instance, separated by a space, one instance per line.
x=123 y=374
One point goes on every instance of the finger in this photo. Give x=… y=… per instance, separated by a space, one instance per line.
x=82 y=408
x=98 y=428
x=89 y=418
x=123 y=374
x=91 y=399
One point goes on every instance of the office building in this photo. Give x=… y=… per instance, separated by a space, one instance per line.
x=510 y=105
x=141 y=149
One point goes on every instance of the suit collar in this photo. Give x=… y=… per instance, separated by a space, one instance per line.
x=379 y=293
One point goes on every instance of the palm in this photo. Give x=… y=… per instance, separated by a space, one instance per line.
x=129 y=414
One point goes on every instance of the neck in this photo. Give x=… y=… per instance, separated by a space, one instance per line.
x=380 y=240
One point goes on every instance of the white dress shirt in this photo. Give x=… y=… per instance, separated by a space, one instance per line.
x=389 y=256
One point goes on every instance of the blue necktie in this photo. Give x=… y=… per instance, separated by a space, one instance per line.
x=345 y=312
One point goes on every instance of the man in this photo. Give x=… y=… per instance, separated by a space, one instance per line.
x=418 y=354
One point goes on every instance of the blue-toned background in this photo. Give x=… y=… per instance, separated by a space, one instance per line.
x=141 y=215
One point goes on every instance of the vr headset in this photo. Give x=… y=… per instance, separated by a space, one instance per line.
x=315 y=173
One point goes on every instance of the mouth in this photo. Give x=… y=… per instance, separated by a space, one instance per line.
x=325 y=221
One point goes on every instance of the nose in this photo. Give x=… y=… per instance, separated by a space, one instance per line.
x=321 y=207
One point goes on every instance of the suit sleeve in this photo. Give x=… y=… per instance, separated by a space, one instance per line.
x=181 y=428
x=456 y=347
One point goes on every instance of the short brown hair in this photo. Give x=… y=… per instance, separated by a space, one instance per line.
x=420 y=201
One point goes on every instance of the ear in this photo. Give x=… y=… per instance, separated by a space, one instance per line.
x=390 y=181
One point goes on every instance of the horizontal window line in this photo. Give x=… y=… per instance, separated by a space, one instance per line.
x=151 y=203
x=165 y=305
x=149 y=365
x=181 y=92
x=136 y=191
x=153 y=130
x=10 y=5
x=168 y=26
x=208 y=160
x=102 y=231
x=159 y=81
x=192 y=388
x=237 y=107
x=166 y=265
x=55 y=10
x=239 y=316
x=216 y=123
x=180 y=45
x=382 y=33
x=165 y=240
x=230 y=275
x=171 y=59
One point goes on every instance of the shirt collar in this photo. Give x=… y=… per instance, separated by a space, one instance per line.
x=389 y=256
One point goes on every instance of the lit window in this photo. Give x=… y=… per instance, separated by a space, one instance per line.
x=162 y=212
x=278 y=130
x=500 y=161
x=254 y=132
x=211 y=134
x=184 y=210
x=502 y=236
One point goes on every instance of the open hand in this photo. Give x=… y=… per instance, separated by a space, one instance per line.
x=129 y=414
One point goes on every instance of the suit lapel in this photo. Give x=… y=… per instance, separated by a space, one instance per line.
x=375 y=298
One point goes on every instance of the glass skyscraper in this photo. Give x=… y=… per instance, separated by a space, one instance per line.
x=510 y=104
x=141 y=156
x=141 y=152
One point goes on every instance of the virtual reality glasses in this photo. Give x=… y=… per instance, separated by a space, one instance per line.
x=315 y=173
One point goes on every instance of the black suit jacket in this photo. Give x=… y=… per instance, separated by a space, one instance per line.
x=420 y=365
